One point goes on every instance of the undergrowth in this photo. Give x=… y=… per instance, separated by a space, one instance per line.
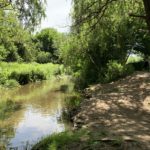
x=15 y=74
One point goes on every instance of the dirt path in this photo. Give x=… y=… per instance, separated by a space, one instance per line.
x=121 y=108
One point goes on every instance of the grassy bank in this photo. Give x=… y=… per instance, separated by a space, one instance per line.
x=14 y=74
x=101 y=132
x=83 y=139
x=72 y=104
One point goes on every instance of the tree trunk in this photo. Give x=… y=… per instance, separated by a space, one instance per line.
x=147 y=10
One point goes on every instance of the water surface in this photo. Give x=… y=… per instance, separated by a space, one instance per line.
x=40 y=114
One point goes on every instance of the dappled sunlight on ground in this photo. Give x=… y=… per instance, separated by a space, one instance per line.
x=121 y=107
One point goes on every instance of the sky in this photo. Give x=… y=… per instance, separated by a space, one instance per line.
x=58 y=15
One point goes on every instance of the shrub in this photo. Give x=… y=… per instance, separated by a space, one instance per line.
x=116 y=70
x=3 y=78
x=43 y=57
x=24 y=73
x=22 y=77
x=11 y=83
x=3 y=53
x=26 y=77
x=37 y=75
x=72 y=102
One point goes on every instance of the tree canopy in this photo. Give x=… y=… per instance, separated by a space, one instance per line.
x=19 y=45
x=93 y=11
x=47 y=43
x=104 y=34
x=29 y=12
x=15 y=42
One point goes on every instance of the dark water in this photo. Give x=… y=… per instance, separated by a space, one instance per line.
x=40 y=115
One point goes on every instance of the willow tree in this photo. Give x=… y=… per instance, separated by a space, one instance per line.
x=105 y=31
x=29 y=12
x=92 y=11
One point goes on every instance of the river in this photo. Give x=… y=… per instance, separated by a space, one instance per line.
x=39 y=116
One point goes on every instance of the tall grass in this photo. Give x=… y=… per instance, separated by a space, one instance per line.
x=134 y=58
x=80 y=139
x=71 y=102
x=13 y=74
x=60 y=141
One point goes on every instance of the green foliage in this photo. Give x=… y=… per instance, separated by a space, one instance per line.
x=28 y=12
x=100 y=45
x=59 y=141
x=81 y=139
x=14 y=73
x=19 y=45
x=43 y=57
x=47 y=38
x=48 y=42
x=116 y=70
x=72 y=101
x=15 y=42
x=10 y=83
x=3 y=53
x=134 y=58
x=27 y=76
x=3 y=77
x=91 y=13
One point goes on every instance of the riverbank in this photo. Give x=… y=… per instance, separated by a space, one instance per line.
x=12 y=99
x=113 y=116
x=32 y=111
x=15 y=74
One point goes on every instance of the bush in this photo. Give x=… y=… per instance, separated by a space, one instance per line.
x=43 y=57
x=25 y=73
x=11 y=83
x=26 y=77
x=72 y=102
x=87 y=75
x=3 y=53
x=112 y=71
x=116 y=70
x=22 y=77
x=3 y=78
x=37 y=75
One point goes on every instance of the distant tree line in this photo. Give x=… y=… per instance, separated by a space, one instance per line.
x=18 y=44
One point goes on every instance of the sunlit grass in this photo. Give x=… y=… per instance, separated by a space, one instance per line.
x=13 y=74
x=134 y=58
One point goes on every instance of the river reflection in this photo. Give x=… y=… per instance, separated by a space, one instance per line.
x=40 y=115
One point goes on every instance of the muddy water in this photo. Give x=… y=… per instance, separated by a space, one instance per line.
x=40 y=115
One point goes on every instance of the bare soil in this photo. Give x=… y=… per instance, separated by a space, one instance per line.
x=121 y=108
